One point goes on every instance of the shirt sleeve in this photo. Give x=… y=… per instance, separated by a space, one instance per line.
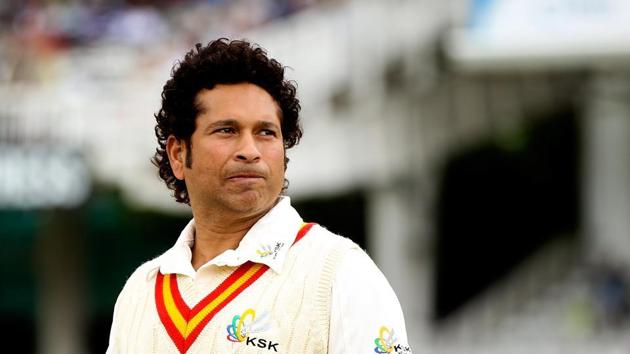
x=112 y=347
x=366 y=316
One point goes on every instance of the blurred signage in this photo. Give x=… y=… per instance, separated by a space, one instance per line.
x=580 y=31
x=42 y=176
x=545 y=18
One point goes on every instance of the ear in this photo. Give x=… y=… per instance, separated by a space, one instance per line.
x=176 y=150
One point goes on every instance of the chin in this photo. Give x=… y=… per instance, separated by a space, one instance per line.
x=251 y=202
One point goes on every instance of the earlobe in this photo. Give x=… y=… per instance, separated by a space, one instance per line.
x=175 y=148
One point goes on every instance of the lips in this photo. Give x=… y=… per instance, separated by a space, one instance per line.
x=245 y=175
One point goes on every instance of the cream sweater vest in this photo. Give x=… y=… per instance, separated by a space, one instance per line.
x=292 y=308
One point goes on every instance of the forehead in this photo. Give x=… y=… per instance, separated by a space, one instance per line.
x=237 y=101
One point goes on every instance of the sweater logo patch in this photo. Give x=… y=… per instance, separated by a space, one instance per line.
x=270 y=250
x=244 y=329
x=386 y=342
x=247 y=323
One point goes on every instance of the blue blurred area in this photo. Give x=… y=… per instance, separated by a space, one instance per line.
x=478 y=12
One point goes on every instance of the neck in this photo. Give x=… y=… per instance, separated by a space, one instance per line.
x=214 y=236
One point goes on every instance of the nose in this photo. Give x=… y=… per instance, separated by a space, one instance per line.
x=247 y=150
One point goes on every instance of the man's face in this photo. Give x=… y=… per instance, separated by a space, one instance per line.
x=237 y=151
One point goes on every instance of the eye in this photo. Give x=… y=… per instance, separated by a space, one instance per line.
x=224 y=130
x=268 y=132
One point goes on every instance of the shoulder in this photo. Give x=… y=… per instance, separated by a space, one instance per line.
x=320 y=235
x=145 y=271
x=321 y=251
x=141 y=280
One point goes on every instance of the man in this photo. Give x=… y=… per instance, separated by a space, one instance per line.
x=246 y=274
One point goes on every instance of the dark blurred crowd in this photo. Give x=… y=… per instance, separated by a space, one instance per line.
x=59 y=23
x=51 y=25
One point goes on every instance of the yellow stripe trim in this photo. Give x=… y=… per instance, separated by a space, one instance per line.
x=219 y=299
x=171 y=308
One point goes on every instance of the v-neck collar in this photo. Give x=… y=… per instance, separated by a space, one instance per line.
x=267 y=242
x=182 y=323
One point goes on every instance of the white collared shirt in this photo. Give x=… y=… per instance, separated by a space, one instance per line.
x=362 y=301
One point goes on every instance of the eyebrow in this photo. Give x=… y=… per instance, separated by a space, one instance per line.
x=268 y=125
x=234 y=123
x=220 y=123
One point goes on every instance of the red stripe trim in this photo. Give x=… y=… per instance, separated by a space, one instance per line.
x=221 y=288
x=168 y=323
x=303 y=231
x=193 y=335
x=183 y=344
x=182 y=307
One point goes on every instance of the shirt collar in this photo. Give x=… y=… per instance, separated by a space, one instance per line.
x=267 y=242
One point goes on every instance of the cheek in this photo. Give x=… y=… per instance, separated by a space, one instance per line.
x=277 y=156
x=214 y=156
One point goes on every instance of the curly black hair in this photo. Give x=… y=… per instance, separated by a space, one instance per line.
x=220 y=62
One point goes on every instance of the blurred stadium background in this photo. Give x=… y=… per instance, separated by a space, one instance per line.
x=478 y=149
